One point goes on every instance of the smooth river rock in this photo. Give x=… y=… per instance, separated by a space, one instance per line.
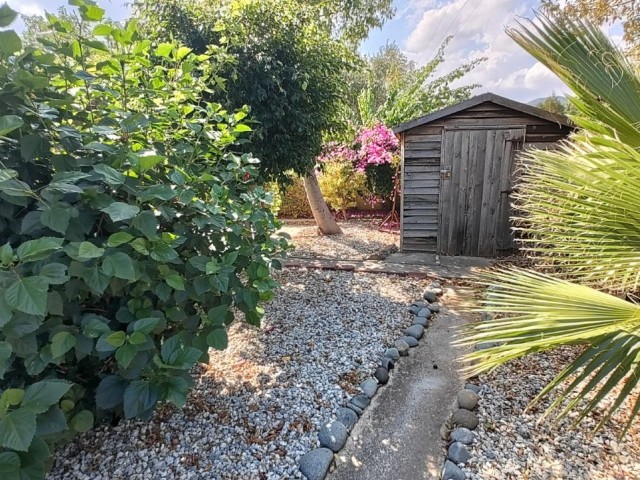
x=333 y=435
x=464 y=418
x=467 y=399
x=315 y=464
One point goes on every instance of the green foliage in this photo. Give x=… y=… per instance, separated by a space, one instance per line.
x=397 y=91
x=580 y=211
x=286 y=66
x=341 y=185
x=553 y=104
x=130 y=233
x=291 y=198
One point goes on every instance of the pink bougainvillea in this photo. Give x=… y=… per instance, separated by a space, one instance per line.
x=337 y=152
x=375 y=146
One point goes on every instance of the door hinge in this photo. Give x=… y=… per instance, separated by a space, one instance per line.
x=445 y=173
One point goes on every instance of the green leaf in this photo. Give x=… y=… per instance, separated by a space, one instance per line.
x=119 y=211
x=7 y=16
x=174 y=390
x=125 y=354
x=110 y=392
x=56 y=218
x=116 y=339
x=39 y=249
x=163 y=252
x=111 y=175
x=147 y=224
x=119 y=238
x=41 y=395
x=33 y=146
x=161 y=192
x=9 y=123
x=140 y=398
x=145 y=325
x=6 y=254
x=175 y=281
x=82 y=421
x=164 y=50
x=96 y=280
x=88 y=250
x=9 y=464
x=11 y=397
x=17 y=429
x=29 y=295
x=94 y=325
x=119 y=265
x=137 y=338
x=182 y=52
x=61 y=343
x=9 y=43
x=5 y=354
x=149 y=160
x=102 y=30
x=218 y=339
x=55 y=304
x=7 y=174
x=54 y=273
x=50 y=422
x=218 y=315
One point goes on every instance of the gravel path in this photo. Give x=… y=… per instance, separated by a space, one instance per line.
x=359 y=240
x=257 y=407
x=511 y=446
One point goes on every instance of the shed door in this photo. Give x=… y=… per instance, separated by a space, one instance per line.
x=476 y=173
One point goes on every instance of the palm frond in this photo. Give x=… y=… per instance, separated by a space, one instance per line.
x=580 y=210
x=604 y=82
x=539 y=313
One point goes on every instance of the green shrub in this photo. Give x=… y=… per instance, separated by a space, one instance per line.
x=341 y=185
x=292 y=199
x=129 y=232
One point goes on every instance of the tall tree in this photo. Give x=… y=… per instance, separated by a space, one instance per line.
x=581 y=212
x=397 y=90
x=553 y=104
x=287 y=67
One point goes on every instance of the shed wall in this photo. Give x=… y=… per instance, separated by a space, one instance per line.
x=422 y=151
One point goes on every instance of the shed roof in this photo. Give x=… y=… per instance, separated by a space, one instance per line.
x=477 y=100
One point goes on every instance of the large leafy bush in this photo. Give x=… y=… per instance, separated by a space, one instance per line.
x=129 y=231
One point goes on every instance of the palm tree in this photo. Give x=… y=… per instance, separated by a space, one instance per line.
x=580 y=214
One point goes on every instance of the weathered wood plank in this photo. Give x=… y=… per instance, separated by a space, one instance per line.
x=430 y=129
x=421 y=219
x=422 y=154
x=493 y=144
x=409 y=167
x=421 y=191
x=474 y=195
x=413 y=138
x=458 y=210
x=419 y=233
x=410 y=147
x=417 y=176
x=495 y=122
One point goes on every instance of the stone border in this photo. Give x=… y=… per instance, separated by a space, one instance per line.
x=315 y=464
x=463 y=421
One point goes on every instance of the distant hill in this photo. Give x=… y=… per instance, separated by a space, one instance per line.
x=538 y=101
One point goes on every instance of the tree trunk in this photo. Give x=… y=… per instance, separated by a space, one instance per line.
x=324 y=219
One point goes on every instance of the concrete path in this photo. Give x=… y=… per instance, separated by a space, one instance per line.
x=399 y=435
x=415 y=265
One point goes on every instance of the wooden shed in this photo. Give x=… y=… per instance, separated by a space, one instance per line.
x=458 y=169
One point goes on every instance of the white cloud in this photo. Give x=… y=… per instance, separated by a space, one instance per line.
x=26 y=8
x=478 y=27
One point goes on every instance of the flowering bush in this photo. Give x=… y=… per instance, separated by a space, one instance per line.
x=375 y=146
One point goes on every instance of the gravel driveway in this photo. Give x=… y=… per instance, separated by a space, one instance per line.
x=257 y=407
x=359 y=240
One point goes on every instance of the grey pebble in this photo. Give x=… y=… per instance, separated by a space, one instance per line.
x=392 y=353
x=424 y=313
x=360 y=401
x=452 y=472
x=315 y=464
x=420 y=321
x=420 y=305
x=467 y=399
x=415 y=331
x=369 y=387
x=474 y=388
x=347 y=417
x=333 y=435
x=411 y=341
x=387 y=363
x=382 y=375
x=358 y=410
x=458 y=453
x=429 y=295
x=434 y=307
x=464 y=418
x=462 y=435
x=402 y=346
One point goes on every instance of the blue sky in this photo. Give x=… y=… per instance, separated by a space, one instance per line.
x=420 y=26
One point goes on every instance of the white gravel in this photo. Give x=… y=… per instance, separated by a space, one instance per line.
x=257 y=408
x=360 y=239
x=509 y=444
